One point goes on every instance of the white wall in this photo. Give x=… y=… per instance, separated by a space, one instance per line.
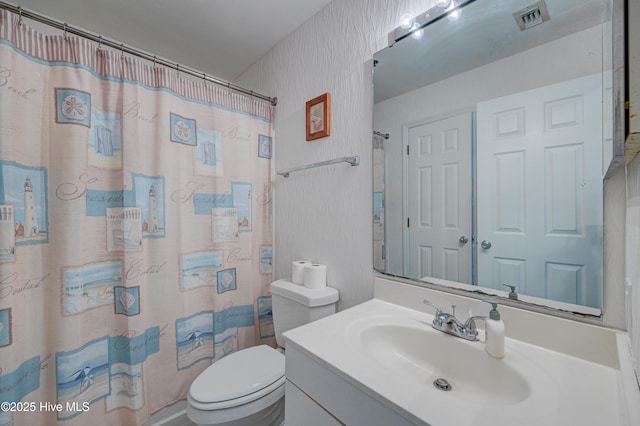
x=633 y=256
x=632 y=264
x=325 y=214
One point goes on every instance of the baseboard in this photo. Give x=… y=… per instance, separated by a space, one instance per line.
x=172 y=415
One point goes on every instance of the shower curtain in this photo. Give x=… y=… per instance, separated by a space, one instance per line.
x=379 y=257
x=135 y=230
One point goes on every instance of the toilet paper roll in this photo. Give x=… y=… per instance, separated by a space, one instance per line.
x=297 y=271
x=315 y=275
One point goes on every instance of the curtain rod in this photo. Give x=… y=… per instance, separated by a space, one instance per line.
x=24 y=13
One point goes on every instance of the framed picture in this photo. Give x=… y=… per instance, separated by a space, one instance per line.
x=318 y=117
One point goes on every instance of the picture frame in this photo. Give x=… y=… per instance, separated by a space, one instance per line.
x=319 y=117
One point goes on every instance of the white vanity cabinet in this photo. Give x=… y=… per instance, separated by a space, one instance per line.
x=300 y=409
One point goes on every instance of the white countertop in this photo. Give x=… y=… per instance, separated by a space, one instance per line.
x=565 y=390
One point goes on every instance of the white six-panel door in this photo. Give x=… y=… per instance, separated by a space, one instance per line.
x=539 y=183
x=439 y=199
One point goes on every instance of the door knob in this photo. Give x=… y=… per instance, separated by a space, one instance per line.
x=463 y=240
x=485 y=244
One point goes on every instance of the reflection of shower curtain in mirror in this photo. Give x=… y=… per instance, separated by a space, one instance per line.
x=379 y=262
x=130 y=257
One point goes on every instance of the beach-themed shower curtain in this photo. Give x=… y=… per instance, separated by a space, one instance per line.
x=135 y=230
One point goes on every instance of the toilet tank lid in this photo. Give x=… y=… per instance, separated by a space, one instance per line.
x=310 y=297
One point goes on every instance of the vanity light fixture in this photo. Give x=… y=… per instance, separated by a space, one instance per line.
x=415 y=26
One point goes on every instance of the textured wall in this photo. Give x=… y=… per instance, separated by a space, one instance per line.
x=324 y=214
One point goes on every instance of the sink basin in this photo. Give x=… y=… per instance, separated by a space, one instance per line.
x=423 y=355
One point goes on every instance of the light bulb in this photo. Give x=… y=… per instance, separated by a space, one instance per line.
x=406 y=21
x=417 y=32
x=454 y=11
x=443 y=3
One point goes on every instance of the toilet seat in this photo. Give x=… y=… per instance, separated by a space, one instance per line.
x=239 y=378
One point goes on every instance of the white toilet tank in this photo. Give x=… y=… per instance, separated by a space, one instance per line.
x=294 y=305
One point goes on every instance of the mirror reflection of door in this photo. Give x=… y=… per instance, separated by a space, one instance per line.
x=540 y=195
x=439 y=196
x=542 y=226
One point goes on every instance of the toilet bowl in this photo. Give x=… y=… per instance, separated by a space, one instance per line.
x=246 y=388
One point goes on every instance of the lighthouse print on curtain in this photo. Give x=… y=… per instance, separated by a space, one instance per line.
x=135 y=230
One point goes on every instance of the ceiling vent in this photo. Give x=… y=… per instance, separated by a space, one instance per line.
x=531 y=15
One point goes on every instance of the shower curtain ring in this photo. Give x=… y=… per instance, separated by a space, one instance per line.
x=99 y=42
x=20 y=15
x=65 y=31
x=154 y=60
x=122 y=50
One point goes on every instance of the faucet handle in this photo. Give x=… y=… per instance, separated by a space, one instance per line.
x=428 y=302
x=470 y=324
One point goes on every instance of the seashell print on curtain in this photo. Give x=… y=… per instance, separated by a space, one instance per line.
x=135 y=230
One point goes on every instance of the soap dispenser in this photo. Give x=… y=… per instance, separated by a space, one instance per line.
x=512 y=294
x=494 y=332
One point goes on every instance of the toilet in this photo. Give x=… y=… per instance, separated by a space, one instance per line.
x=247 y=386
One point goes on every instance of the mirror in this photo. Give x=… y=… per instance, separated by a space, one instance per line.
x=491 y=143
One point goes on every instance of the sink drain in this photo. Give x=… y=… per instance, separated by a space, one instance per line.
x=442 y=384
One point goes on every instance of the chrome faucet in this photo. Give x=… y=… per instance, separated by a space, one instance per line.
x=448 y=323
